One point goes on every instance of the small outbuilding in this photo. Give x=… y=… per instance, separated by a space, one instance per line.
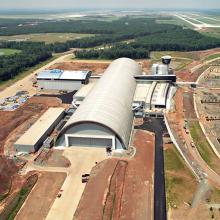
x=62 y=80
x=34 y=137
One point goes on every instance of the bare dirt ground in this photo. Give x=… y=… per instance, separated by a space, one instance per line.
x=56 y=159
x=146 y=65
x=189 y=105
x=92 y=201
x=137 y=197
x=10 y=121
x=205 y=53
x=12 y=125
x=7 y=170
x=123 y=187
x=18 y=182
x=189 y=73
x=187 y=76
x=42 y=196
x=96 y=67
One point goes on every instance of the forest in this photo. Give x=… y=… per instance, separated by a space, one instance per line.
x=178 y=39
x=125 y=25
x=116 y=51
x=31 y=54
x=126 y=37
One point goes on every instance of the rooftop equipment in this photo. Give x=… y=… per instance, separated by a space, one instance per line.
x=166 y=60
x=162 y=69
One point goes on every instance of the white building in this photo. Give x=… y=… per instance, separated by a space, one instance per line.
x=62 y=80
x=105 y=117
x=33 y=138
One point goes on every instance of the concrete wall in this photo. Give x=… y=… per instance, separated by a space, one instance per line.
x=66 y=85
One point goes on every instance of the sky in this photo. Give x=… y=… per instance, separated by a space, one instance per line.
x=67 y=4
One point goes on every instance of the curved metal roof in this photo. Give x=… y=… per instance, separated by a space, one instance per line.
x=110 y=101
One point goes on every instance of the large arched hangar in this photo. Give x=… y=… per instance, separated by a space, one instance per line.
x=105 y=117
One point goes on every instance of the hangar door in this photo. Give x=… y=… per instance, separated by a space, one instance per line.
x=90 y=142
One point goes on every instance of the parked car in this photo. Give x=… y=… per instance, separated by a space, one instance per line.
x=85 y=178
x=59 y=195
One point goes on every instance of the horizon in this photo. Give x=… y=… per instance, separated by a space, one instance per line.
x=110 y=5
x=98 y=9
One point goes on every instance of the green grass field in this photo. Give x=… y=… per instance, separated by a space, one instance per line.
x=22 y=195
x=211 y=32
x=213 y=56
x=203 y=146
x=175 y=21
x=173 y=161
x=180 y=59
x=46 y=37
x=178 y=178
x=7 y=52
x=209 y=21
x=201 y=142
x=186 y=55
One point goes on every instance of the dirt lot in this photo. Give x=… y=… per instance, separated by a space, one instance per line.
x=124 y=187
x=138 y=189
x=7 y=170
x=57 y=159
x=11 y=121
x=188 y=73
x=37 y=204
x=189 y=105
x=99 y=180
x=96 y=67
x=12 y=125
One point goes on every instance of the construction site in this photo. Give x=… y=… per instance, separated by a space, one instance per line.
x=97 y=126
x=90 y=138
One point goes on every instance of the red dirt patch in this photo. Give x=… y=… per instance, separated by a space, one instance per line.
x=121 y=188
x=35 y=106
x=10 y=129
x=138 y=189
x=7 y=170
x=52 y=158
x=113 y=200
x=188 y=105
x=95 y=67
x=37 y=204
x=92 y=202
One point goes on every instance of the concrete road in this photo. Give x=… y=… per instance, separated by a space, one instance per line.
x=82 y=160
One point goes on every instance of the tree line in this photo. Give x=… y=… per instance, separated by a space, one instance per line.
x=127 y=37
x=121 y=26
x=31 y=54
x=173 y=40
x=114 y=52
